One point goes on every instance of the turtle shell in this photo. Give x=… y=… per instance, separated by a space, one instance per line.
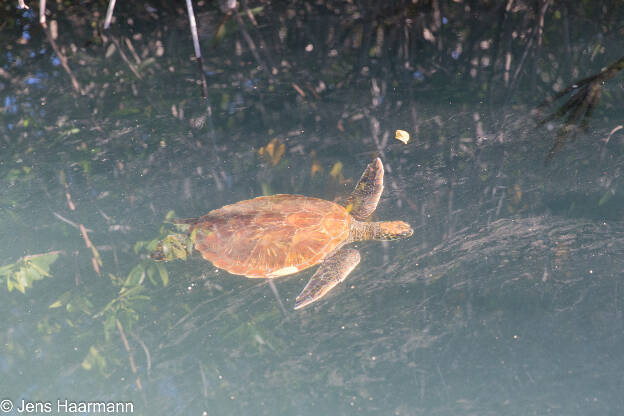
x=271 y=236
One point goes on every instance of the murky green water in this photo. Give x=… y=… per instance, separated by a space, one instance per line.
x=507 y=299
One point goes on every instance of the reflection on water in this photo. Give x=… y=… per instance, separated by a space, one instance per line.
x=505 y=301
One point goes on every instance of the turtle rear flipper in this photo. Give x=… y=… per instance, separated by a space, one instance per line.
x=158 y=254
x=364 y=198
x=332 y=271
x=173 y=247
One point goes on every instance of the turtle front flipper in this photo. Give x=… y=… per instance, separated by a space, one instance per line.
x=364 y=198
x=332 y=271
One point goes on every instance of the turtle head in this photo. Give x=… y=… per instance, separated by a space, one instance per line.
x=393 y=230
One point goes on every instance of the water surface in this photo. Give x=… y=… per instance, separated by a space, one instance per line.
x=506 y=300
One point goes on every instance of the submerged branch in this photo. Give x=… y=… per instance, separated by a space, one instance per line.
x=193 y=25
x=125 y=58
x=60 y=55
x=42 y=7
x=133 y=366
x=579 y=108
x=109 y=13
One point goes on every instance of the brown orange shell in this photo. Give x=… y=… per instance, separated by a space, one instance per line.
x=271 y=236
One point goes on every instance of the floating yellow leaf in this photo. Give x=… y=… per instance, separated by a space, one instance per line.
x=336 y=169
x=517 y=194
x=316 y=168
x=402 y=135
x=93 y=359
x=273 y=151
x=164 y=275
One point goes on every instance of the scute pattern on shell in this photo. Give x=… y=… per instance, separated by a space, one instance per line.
x=271 y=236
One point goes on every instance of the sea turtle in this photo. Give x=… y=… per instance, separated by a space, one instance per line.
x=278 y=235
